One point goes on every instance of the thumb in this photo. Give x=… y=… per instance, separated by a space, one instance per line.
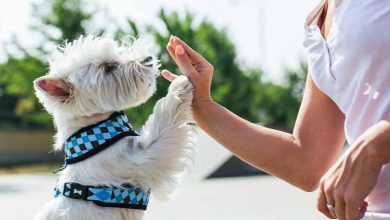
x=168 y=75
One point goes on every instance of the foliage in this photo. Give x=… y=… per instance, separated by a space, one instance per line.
x=17 y=74
x=241 y=90
x=280 y=103
x=231 y=85
x=67 y=18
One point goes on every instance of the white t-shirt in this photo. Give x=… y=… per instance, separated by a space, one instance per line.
x=352 y=67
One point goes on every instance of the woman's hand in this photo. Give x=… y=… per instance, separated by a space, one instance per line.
x=347 y=184
x=192 y=65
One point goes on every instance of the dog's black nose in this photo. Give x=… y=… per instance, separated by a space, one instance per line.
x=147 y=60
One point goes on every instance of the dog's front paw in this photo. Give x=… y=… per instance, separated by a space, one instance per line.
x=181 y=88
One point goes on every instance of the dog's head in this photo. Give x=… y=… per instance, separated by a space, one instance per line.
x=95 y=75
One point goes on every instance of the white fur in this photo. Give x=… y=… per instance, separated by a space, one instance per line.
x=155 y=159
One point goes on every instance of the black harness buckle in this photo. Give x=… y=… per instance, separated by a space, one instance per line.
x=76 y=191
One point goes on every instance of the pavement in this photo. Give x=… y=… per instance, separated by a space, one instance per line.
x=244 y=198
x=247 y=198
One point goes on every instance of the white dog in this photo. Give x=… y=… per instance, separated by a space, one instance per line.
x=90 y=82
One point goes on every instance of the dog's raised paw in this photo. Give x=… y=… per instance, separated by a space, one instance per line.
x=181 y=86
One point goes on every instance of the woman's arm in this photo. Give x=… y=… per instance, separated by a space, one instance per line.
x=379 y=139
x=300 y=158
x=347 y=184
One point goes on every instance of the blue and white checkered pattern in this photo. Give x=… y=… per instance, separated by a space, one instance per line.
x=116 y=195
x=90 y=140
x=97 y=136
x=127 y=197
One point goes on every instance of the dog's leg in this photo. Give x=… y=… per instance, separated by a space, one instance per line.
x=167 y=139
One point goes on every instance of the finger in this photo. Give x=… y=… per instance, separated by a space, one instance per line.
x=363 y=210
x=331 y=203
x=362 y=214
x=192 y=54
x=171 y=51
x=321 y=204
x=171 y=40
x=184 y=62
x=354 y=213
x=340 y=209
x=168 y=75
x=331 y=207
x=172 y=46
x=353 y=210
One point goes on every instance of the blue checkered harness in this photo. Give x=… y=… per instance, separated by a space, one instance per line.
x=89 y=141
x=95 y=138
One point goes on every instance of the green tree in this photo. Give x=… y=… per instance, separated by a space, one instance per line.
x=17 y=75
x=241 y=90
x=280 y=103
x=64 y=18
x=234 y=87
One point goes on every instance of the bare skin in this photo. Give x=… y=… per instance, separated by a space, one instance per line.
x=303 y=157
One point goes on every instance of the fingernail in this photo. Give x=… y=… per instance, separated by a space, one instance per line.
x=179 y=50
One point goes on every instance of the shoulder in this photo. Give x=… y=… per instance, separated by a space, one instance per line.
x=316 y=13
x=322 y=16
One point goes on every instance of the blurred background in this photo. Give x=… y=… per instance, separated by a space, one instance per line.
x=255 y=47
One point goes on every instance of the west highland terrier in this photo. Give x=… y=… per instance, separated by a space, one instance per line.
x=110 y=170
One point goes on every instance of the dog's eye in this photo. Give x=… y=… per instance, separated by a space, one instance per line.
x=110 y=67
x=146 y=61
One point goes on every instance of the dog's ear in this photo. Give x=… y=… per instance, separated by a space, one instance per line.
x=57 y=87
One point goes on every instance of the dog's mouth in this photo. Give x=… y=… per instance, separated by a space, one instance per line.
x=153 y=81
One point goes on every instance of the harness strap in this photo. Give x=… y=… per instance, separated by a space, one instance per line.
x=95 y=138
x=89 y=141
x=123 y=197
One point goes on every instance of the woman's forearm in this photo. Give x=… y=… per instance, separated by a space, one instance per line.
x=301 y=158
x=379 y=143
x=275 y=152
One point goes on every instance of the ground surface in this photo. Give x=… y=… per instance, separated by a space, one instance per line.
x=244 y=198
x=229 y=199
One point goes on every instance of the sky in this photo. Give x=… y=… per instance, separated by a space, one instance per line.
x=267 y=33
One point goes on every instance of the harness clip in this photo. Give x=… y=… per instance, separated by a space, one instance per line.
x=76 y=191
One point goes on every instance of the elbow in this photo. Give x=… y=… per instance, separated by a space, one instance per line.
x=310 y=186
x=310 y=183
x=312 y=171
